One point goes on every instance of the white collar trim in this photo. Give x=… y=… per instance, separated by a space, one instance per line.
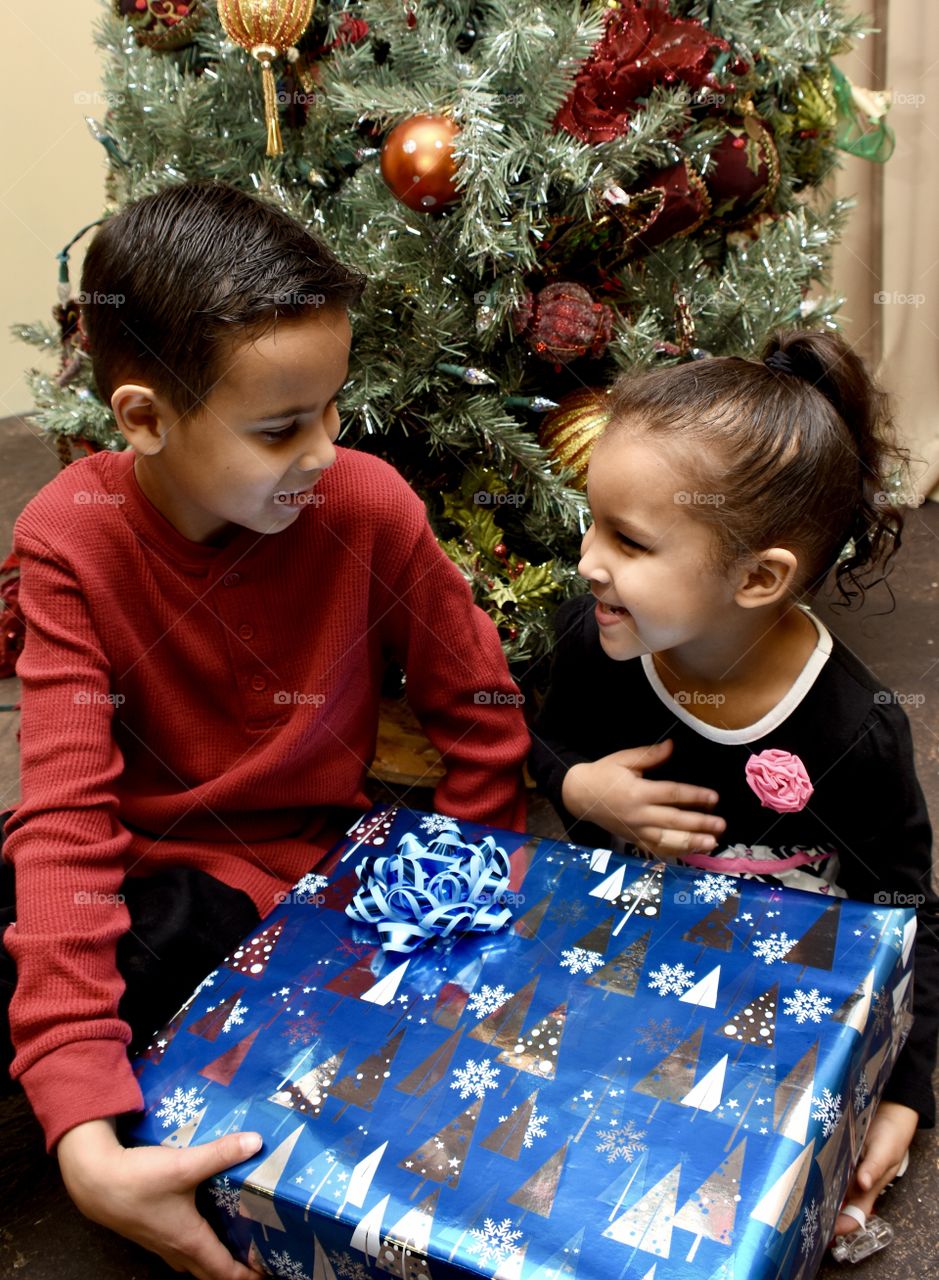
x=773 y=718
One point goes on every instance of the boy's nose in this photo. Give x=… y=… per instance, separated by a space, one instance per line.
x=591 y=571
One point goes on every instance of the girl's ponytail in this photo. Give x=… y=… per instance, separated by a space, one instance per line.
x=872 y=534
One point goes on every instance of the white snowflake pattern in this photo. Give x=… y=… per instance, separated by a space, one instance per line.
x=828 y=1110
x=578 y=960
x=475 y=1078
x=671 y=977
x=226 y=1196
x=348 y=1268
x=773 y=947
x=432 y=823
x=862 y=1092
x=207 y=981
x=286 y=1266
x=807 y=1006
x=809 y=1228
x=236 y=1016
x=714 y=888
x=536 y=1126
x=308 y=886
x=495 y=1241
x=621 y=1142
x=488 y=999
x=179 y=1107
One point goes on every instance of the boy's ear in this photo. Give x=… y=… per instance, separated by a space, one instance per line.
x=140 y=417
x=766 y=578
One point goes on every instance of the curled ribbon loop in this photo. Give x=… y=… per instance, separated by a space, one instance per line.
x=419 y=893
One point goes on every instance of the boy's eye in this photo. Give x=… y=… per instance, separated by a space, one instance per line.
x=629 y=542
x=280 y=434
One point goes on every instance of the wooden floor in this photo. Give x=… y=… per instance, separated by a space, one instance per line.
x=42 y=1237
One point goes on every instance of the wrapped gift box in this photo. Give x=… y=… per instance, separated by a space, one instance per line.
x=651 y=1072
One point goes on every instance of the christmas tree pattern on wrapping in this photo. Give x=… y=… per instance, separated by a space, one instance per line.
x=648 y=1224
x=362 y=1086
x=358 y=977
x=503 y=1026
x=307 y=1093
x=673 y=1077
x=212 y=1023
x=537 y=1192
x=253 y=957
x=598 y=938
x=224 y=1068
x=620 y=975
x=537 y=1053
x=712 y=1211
x=816 y=947
x=442 y=1157
x=432 y=1070
x=404 y=1249
x=508 y=1137
x=792 y=1104
x=755 y=1023
x=714 y=929
x=257 y=1193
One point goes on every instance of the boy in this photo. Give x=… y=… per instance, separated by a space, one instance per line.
x=209 y=614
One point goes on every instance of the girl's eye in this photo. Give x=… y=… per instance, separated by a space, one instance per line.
x=630 y=542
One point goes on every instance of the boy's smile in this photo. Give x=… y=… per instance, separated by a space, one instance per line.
x=251 y=456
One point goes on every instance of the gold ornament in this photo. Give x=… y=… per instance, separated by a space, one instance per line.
x=417 y=162
x=571 y=430
x=266 y=28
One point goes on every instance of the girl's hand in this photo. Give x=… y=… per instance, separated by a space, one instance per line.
x=888 y=1141
x=663 y=818
x=148 y=1194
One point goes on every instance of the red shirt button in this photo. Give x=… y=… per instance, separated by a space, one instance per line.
x=246 y=631
x=231 y=579
x=258 y=684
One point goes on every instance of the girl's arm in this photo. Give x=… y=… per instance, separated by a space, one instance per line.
x=597 y=797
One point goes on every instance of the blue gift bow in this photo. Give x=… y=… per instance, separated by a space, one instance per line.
x=417 y=893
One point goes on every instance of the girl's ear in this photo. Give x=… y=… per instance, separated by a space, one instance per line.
x=139 y=417
x=766 y=578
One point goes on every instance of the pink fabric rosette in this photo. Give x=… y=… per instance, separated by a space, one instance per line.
x=780 y=780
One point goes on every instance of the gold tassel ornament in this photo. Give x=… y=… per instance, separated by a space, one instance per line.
x=266 y=28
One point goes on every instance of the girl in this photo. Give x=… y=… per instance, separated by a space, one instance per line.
x=723 y=493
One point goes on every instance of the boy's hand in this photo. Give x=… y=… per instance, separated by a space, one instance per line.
x=663 y=818
x=148 y=1194
x=888 y=1141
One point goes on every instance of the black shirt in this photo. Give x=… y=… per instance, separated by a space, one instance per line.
x=854 y=740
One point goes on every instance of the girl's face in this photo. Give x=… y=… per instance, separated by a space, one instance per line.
x=651 y=564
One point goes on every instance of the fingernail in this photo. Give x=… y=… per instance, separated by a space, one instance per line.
x=250 y=1143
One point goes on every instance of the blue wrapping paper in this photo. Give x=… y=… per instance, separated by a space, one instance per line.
x=651 y=1072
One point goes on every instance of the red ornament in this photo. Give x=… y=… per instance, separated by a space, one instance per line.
x=742 y=172
x=417 y=162
x=643 y=44
x=563 y=322
x=684 y=207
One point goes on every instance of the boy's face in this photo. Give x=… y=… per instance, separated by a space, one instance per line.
x=253 y=452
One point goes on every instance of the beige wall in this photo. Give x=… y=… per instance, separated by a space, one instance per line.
x=52 y=176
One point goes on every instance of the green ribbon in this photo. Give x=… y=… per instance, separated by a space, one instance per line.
x=874 y=143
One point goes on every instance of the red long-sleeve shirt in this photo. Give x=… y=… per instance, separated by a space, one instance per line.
x=215 y=707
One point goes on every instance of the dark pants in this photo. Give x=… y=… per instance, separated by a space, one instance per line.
x=182 y=925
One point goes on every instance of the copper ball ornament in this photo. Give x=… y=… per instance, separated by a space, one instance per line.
x=569 y=432
x=417 y=162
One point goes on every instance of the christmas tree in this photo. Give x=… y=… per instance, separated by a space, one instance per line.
x=542 y=195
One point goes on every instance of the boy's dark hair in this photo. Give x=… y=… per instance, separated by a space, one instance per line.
x=174 y=277
x=802 y=452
